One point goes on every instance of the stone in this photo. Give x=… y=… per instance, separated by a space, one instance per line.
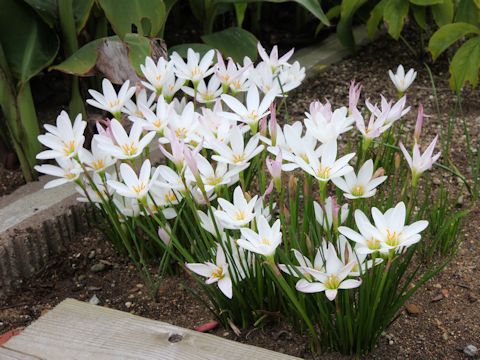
x=128 y=304
x=94 y=300
x=413 y=309
x=98 y=267
x=470 y=350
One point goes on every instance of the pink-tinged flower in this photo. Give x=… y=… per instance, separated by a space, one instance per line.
x=273 y=60
x=272 y=124
x=216 y=273
x=105 y=131
x=64 y=140
x=164 y=235
x=111 y=101
x=353 y=96
x=177 y=156
x=333 y=279
x=331 y=213
x=191 y=161
x=401 y=80
x=126 y=146
x=275 y=169
x=391 y=112
x=228 y=73
x=376 y=125
x=362 y=185
x=419 y=163
x=418 y=125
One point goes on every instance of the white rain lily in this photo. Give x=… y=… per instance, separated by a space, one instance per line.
x=347 y=254
x=184 y=126
x=327 y=167
x=158 y=120
x=64 y=140
x=195 y=68
x=134 y=186
x=265 y=80
x=156 y=74
x=171 y=86
x=205 y=93
x=273 y=60
x=207 y=223
x=391 y=112
x=401 y=80
x=376 y=125
x=126 y=146
x=304 y=265
x=333 y=279
x=170 y=180
x=214 y=177
x=254 y=109
x=325 y=127
x=331 y=213
x=419 y=163
x=216 y=273
x=263 y=242
x=238 y=214
x=68 y=170
x=141 y=101
x=96 y=160
x=111 y=101
x=228 y=73
x=236 y=152
x=389 y=233
x=362 y=185
x=126 y=206
x=292 y=76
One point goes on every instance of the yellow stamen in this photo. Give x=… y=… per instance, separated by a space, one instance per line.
x=323 y=172
x=129 y=149
x=140 y=187
x=240 y=215
x=332 y=282
x=393 y=238
x=238 y=158
x=218 y=273
x=69 y=147
x=98 y=164
x=358 y=190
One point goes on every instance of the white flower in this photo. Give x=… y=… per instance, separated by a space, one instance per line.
x=255 y=109
x=389 y=112
x=171 y=86
x=158 y=120
x=184 y=126
x=327 y=167
x=109 y=100
x=237 y=153
x=361 y=186
x=389 y=233
x=263 y=242
x=64 y=140
x=265 y=80
x=376 y=125
x=331 y=212
x=142 y=101
x=126 y=146
x=156 y=73
x=333 y=279
x=126 y=206
x=68 y=170
x=205 y=93
x=420 y=163
x=304 y=265
x=401 y=80
x=134 y=186
x=97 y=160
x=94 y=195
x=238 y=214
x=228 y=73
x=273 y=60
x=216 y=273
x=327 y=127
x=292 y=76
x=347 y=254
x=194 y=69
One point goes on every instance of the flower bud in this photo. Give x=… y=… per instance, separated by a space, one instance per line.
x=397 y=161
x=379 y=172
x=272 y=124
x=418 y=124
x=292 y=186
x=164 y=236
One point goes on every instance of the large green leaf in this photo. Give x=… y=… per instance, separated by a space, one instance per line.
x=468 y=11
x=148 y=16
x=82 y=62
x=29 y=44
x=376 y=16
x=420 y=15
x=395 y=13
x=444 y=37
x=465 y=64
x=48 y=11
x=234 y=42
x=443 y=13
x=344 y=26
x=426 y=2
x=313 y=6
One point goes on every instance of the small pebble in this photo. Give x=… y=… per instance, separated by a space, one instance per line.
x=470 y=350
x=94 y=300
x=445 y=336
x=91 y=254
x=98 y=267
x=390 y=342
x=413 y=309
x=128 y=304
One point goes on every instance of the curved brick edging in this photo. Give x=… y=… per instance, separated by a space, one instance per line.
x=37 y=223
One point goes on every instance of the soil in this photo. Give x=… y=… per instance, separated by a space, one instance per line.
x=440 y=319
x=10 y=180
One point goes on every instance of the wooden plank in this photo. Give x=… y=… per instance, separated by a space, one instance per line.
x=80 y=331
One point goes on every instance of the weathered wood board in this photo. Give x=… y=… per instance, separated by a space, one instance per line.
x=80 y=331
